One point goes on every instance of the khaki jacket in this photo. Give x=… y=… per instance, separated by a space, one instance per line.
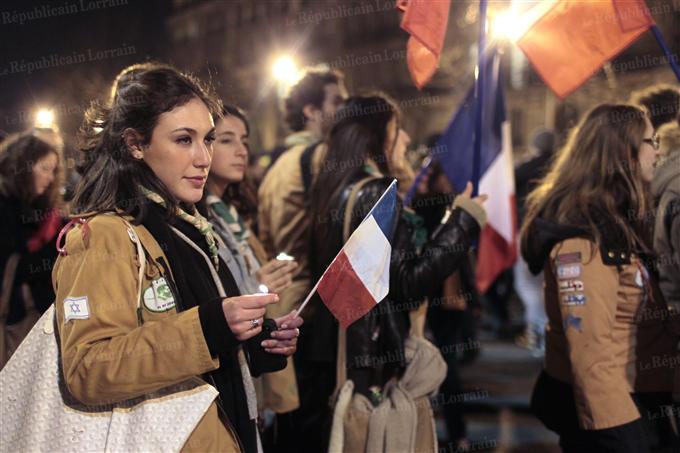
x=110 y=351
x=606 y=336
x=283 y=221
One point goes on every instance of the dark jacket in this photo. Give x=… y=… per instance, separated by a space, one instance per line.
x=431 y=209
x=375 y=342
x=666 y=191
x=194 y=287
x=18 y=226
x=527 y=177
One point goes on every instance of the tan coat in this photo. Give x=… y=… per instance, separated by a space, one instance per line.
x=283 y=221
x=606 y=336
x=283 y=224
x=107 y=355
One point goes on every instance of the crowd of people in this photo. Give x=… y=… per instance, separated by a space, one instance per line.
x=165 y=171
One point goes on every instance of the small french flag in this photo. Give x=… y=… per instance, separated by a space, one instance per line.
x=358 y=278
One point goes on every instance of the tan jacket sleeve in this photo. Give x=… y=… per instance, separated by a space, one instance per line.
x=588 y=315
x=107 y=356
x=281 y=205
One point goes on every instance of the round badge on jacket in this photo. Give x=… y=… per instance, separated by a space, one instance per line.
x=158 y=297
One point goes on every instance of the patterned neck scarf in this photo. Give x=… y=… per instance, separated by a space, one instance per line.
x=196 y=219
x=230 y=215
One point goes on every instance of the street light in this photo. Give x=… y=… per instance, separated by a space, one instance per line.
x=285 y=70
x=44 y=119
x=513 y=23
x=507 y=25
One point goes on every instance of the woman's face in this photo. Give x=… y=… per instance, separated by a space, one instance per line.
x=648 y=153
x=181 y=149
x=230 y=160
x=44 y=171
x=396 y=144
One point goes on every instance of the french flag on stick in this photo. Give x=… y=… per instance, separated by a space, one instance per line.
x=497 y=250
x=358 y=278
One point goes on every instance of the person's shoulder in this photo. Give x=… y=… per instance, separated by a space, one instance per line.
x=286 y=168
x=372 y=188
x=376 y=183
x=576 y=250
x=109 y=223
x=98 y=231
x=575 y=245
x=291 y=156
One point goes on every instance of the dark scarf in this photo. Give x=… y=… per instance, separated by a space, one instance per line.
x=194 y=285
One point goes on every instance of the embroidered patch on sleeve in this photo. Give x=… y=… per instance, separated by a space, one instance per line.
x=569 y=286
x=567 y=271
x=76 y=308
x=573 y=321
x=573 y=299
x=568 y=258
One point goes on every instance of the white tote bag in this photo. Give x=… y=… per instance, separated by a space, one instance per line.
x=37 y=412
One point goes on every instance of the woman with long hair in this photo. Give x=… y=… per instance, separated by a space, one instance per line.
x=230 y=204
x=588 y=228
x=147 y=153
x=366 y=146
x=30 y=180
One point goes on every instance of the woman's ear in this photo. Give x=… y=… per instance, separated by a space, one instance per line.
x=133 y=141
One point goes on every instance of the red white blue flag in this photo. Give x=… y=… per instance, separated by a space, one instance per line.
x=359 y=276
x=497 y=250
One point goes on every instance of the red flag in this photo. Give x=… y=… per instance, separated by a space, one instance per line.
x=425 y=21
x=575 y=38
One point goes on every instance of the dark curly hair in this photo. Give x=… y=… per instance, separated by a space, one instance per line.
x=662 y=101
x=309 y=90
x=111 y=177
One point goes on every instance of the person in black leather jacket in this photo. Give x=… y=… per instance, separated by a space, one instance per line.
x=367 y=142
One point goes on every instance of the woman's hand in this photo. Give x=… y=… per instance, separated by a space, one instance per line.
x=276 y=275
x=284 y=340
x=245 y=314
x=479 y=199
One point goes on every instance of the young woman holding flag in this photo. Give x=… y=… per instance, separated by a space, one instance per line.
x=366 y=148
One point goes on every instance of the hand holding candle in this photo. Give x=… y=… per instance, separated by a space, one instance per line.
x=284 y=340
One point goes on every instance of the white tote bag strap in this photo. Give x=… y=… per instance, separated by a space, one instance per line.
x=245 y=370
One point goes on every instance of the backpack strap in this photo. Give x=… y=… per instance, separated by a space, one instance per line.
x=341 y=363
x=306 y=166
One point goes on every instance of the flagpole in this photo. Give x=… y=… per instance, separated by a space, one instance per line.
x=479 y=99
x=662 y=42
x=416 y=182
x=311 y=293
x=316 y=286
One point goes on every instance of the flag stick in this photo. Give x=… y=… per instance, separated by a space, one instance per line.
x=419 y=177
x=666 y=50
x=479 y=88
x=311 y=293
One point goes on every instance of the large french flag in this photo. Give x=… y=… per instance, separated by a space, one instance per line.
x=567 y=41
x=359 y=276
x=497 y=249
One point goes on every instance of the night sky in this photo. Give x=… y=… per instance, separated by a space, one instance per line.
x=67 y=59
